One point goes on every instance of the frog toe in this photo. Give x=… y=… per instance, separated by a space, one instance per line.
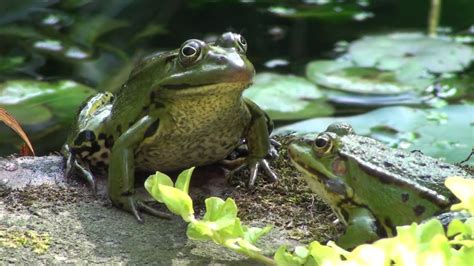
x=153 y=211
x=88 y=176
x=254 y=169
x=136 y=207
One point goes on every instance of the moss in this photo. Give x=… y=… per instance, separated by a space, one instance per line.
x=38 y=242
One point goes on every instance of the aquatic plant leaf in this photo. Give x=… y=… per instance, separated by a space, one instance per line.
x=54 y=105
x=342 y=75
x=395 y=50
x=287 y=97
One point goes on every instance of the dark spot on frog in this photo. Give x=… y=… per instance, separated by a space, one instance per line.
x=86 y=135
x=425 y=176
x=104 y=155
x=379 y=229
x=408 y=54
x=390 y=224
x=445 y=166
x=101 y=164
x=109 y=142
x=387 y=164
x=400 y=155
x=419 y=210
x=150 y=131
x=86 y=149
x=405 y=197
x=102 y=136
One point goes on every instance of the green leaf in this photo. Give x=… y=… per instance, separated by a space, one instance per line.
x=369 y=255
x=217 y=209
x=463 y=189
x=287 y=97
x=396 y=50
x=252 y=234
x=323 y=254
x=54 y=105
x=183 y=180
x=177 y=201
x=283 y=257
x=342 y=75
x=199 y=230
x=456 y=227
x=427 y=231
x=152 y=182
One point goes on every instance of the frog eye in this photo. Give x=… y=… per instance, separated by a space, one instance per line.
x=322 y=144
x=190 y=52
x=243 y=43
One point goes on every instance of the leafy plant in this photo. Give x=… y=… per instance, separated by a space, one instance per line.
x=220 y=222
x=415 y=244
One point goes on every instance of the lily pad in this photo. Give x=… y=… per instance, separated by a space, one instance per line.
x=446 y=132
x=327 y=11
x=287 y=97
x=343 y=75
x=395 y=50
x=45 y=110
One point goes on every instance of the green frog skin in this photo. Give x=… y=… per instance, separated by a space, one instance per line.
x=372 y=188
x=178 y=109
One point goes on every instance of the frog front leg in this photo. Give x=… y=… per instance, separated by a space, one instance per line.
x=258 y=143
x=361 y=228
x=121 y=177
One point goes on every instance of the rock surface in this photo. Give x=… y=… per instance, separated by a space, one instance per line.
x=81 y=228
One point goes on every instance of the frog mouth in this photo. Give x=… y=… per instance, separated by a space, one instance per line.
x=205 y=89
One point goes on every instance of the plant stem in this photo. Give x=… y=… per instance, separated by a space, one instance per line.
x=433 y=19
x=256 y=256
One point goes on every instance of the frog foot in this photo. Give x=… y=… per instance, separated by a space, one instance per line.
x=72 y=164
x=255 y=166
x=274 y=146
x=135 y=206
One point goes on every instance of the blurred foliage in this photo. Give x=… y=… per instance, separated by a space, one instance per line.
x=44 y=110
x=97 y=43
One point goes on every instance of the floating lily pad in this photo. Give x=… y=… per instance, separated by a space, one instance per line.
x=45 y=110
x=446 y=132
x=326 y=11
x=287 y=97
x=394 y=51
x=343 y=75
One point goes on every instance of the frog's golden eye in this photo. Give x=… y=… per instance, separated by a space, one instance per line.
x=322 y=144
x=190 y=52
x=243 y=43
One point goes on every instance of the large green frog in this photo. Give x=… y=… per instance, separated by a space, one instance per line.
x=372 y=188
x=178 y=109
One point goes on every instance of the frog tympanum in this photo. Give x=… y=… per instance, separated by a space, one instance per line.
x=372 y=188
x=178 y=109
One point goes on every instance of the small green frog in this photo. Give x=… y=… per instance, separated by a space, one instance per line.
x=372 y=188
x=178 y=109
